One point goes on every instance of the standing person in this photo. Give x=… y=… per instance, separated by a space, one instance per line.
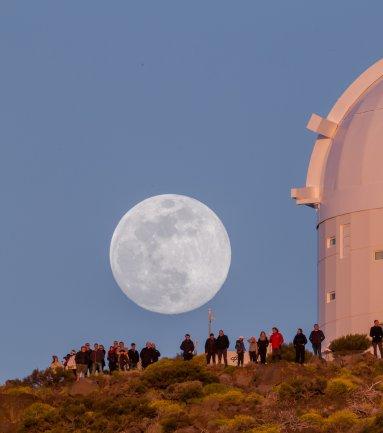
x=102 y=348
x=316 y=338
x=240 y=349
x=70 y=362
x=82 y=362
x=263 y=342
x=96 y=356
x=210 y=349
x=253 y=349
x=89 y=351
x=222 y=344
x=112 y=359
x=376 y=333
x=146 y=355
x=55 y=364
x=187 y=347
x=155 y=353
x=123 y=360
x=134 y=356
x=276 y=341
x=299 y=343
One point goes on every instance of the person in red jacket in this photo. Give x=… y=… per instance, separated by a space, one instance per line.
x=276 y=341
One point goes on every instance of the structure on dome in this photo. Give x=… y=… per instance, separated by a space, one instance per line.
x=345 y=185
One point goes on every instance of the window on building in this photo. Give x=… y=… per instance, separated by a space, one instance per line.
x=331 y=241
x=379 y=255
x=330 y=296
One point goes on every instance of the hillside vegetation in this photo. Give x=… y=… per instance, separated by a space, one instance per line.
x=345 y=395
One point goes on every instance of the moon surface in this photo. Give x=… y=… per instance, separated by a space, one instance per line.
x=170 y=254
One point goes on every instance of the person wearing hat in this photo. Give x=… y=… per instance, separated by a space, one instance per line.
x=240 y=349
x=210 y=349
x=187 y=347
x=70 y=362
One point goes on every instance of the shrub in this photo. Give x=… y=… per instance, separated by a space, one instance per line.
x=215 y=388
x=339 y=387
x=173 y=422
x=376 y=425
x=167 y=371
x=313 y=419
x=232 y=396
x=350 y=343
x=38 y=416
x=268 y=428
x=166 y=408
x=186 y=390
x=239 y=423
x=341 y=421
x=301 y=387
x=288 y=353
x=48 y=377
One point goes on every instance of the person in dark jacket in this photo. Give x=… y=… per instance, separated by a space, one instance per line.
x=155 y=353
x=376 y=333
x=97 y=357
x=82 y=362
x=187 y=347
x=299 y=343
x=240 y=349
x=102 y=348
x=210 y=349
x=123 y=360
x=146 y=355
x=263 y=343
x=222 y=343
x=112 y=359
x=89 y=350
x=134 y=356
x=316 y=338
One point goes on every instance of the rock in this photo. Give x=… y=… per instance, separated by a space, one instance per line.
x=243 y=378
x=83 y=387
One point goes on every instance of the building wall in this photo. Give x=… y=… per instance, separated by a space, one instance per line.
x=349 y=269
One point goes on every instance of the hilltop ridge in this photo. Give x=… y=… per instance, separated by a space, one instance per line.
x=344 y=395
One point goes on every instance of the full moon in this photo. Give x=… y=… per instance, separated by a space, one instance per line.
x=170 y=254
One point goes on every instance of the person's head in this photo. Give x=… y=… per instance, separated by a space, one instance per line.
x=262 y=335
x=240 y=338
x=121 y=344
x=211 y=336
x=316 y=327
x=133 y=345
x=115 y=343
x=187 y=336
x=153 y=345
x=275 y=330
x=87 y=345
x=221 y=332
x=95 y=346
x=376 y=322
x=299 y=331
x=73 y=352
x=252 y=338
x=55 y=358
x=101 y=346
x=148 y=345
x=110 y=347
x=83 y=348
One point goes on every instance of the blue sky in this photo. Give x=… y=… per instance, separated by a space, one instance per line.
x=104 y=104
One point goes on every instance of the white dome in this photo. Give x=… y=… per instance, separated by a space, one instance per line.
x=346 y=168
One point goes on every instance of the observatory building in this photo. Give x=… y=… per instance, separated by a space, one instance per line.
x=345 y=185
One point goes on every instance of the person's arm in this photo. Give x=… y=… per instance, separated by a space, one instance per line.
x=282 y=340
x=311 y=336
x=295 y=341
x=322 y=337
x=371 y=332
x=305 y=340
x=227 y=342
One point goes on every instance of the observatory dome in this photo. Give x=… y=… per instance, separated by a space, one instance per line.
x=346 y=168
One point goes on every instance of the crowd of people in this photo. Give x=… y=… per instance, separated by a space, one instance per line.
x=89 y=360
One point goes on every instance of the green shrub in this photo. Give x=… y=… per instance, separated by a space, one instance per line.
x=350 y=343
x=173 y=422
x=376 y=425
x=186 y=390
x=341 y=421
x=232 y=396
x=166 y=408
x=38 y=416
x=339 y=386
x=301 y=387
x=239 y=423
x=268 y=428
x=166 y=372
x=313 y=419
